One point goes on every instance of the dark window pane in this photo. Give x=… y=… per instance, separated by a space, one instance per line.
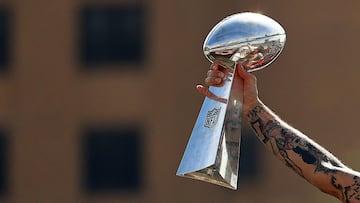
x=112 y=159
x=4 y=39
x=112 y=34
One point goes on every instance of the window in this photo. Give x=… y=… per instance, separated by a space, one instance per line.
x=4 y=38
x=112 y=159
x=112 y=35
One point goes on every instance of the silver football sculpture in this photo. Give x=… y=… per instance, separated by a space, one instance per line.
x=252 y=39
x=213 y=150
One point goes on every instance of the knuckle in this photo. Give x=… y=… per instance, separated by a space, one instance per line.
x=221 y=74
x=216 y=66
x=207 y=81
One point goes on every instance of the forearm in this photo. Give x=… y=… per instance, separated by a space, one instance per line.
x=301 y=154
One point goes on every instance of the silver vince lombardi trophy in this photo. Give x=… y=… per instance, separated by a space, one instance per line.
x=213 y=151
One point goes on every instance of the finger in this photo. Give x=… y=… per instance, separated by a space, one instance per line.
x=213 y=81
x=217 y=66
x=241 y=70
x=205 y=91
x=216 y=74
x=218 y=70
x=243 y=73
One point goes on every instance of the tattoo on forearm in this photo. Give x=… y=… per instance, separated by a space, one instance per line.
x=283 y=141
x=350 y=192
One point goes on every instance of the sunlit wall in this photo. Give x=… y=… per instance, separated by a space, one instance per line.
x=98 y=99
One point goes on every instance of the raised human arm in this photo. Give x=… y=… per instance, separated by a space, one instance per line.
x=296 y=150
x=305 y=157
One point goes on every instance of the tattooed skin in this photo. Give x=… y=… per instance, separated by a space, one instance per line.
x=352 y=191
x=298 y=152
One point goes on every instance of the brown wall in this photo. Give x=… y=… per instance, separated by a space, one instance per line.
x=45 y=99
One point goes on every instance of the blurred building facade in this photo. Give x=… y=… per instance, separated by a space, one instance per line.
x=97 y=98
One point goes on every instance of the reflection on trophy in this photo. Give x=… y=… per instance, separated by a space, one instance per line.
x=213 y=151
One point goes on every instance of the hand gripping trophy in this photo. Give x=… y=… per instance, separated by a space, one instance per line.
x=213 y=150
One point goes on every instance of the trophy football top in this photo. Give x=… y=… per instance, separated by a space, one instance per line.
x=252 y=39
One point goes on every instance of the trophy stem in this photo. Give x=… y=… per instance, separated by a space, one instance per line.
x=213 y=151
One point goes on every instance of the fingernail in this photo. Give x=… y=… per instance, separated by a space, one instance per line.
x=218 y=80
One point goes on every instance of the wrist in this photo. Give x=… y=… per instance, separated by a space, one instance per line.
x=251 y=105
x=260 y=111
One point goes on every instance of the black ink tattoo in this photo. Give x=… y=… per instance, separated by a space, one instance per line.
x=254 y=113
x=286 y=141
x=283 y=140
x=352 y=191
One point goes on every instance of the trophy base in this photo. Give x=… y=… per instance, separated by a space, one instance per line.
x=211 y=175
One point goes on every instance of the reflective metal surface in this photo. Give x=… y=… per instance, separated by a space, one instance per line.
x=213 y=151
x=252 y=39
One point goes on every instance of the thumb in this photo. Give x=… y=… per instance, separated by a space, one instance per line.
x=243 y=73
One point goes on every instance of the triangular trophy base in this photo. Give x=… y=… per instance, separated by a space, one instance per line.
x=213 y=176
